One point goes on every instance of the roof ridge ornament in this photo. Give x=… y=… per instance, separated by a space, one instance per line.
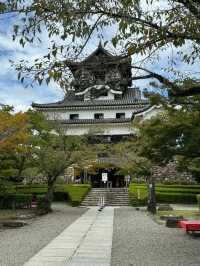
x=100 y=44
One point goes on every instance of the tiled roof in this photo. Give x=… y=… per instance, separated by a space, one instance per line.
x=94 y=103
x=70 y=102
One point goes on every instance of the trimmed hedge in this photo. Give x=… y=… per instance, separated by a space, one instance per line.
x=75 y=193
x=176 y=197
x=198 y=201
x=17 y=196
x=18 y=200
x=164 y=193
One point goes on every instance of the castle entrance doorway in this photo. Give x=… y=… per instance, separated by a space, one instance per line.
x=107 y=178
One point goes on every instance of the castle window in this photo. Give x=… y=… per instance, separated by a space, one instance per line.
x=73 y=116
x=104 y=93
x=120 y=115
x=98 y=116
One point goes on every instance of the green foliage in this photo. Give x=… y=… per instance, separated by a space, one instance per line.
x=34 y=190
x=173 y=197
x=198 y=201
x=15 y=200
x=173 y=135
x=128 y=160
x=138 y=195
x=16 y=195
x=22 y=200
x=164 y=193
x=40 y=199
x=143 y=28
x=76 y=193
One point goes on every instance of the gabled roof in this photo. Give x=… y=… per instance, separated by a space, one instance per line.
x=99 y=51
x=100 y=55
x=71 y=103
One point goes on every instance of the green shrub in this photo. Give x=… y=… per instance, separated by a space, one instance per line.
x=164 y=193
x=42 y=189
x=22 y=200
x=23 y=194
x=6 y=201
x=138 y=195
x=17 y=200
x=76 y=193
x=40 y=199
x=175 y=197
x=198 y=201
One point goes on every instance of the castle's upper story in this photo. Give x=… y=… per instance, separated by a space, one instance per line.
x=101 y=92
x=100 y=72
x=102 y=79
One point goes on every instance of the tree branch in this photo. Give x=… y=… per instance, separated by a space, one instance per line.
x=175 y=90
x=194 y=8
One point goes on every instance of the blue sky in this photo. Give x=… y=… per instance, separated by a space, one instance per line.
x=12 y=92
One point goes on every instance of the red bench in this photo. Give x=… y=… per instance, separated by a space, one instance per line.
x=190 y=226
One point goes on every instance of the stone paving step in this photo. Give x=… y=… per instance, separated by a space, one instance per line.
x=86 y=242
x=112 y=197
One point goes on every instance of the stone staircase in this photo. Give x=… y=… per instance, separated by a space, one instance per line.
x=112 y=197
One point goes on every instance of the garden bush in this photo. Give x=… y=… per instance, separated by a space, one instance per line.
x=18 y=196
x=22 y=200
x=175 y=197
x=164 y=193
x=198 y=201
x=32 y=189
x=15 y=200
x=40 y=199
x=6 y=201
x=76 y=193
x=138 y=195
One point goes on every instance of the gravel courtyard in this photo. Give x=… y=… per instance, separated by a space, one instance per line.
x=18 y=245
x=139 y=241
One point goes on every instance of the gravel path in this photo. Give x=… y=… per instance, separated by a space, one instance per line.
x=139 y=241
x=18 y=245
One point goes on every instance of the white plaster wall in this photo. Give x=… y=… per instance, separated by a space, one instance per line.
x=88 y=114
x=123 y=129
x=152 y=112
x=103 y=129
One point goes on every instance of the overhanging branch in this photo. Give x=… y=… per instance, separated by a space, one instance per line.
x=174 y=89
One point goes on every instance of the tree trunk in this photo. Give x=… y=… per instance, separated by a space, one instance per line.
x=46 y=207
x=151 y=204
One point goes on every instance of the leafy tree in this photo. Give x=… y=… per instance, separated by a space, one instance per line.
x=15 y=149
x=13 y=129
x=174 y=135
x=142 y=27
x=131 y=161
x=32 y=145
x=53 y=151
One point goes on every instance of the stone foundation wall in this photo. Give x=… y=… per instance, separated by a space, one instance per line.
x=169 y=174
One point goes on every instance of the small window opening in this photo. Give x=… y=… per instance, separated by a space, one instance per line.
x=73 y=116
x=98 y=116
x=120 y=115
